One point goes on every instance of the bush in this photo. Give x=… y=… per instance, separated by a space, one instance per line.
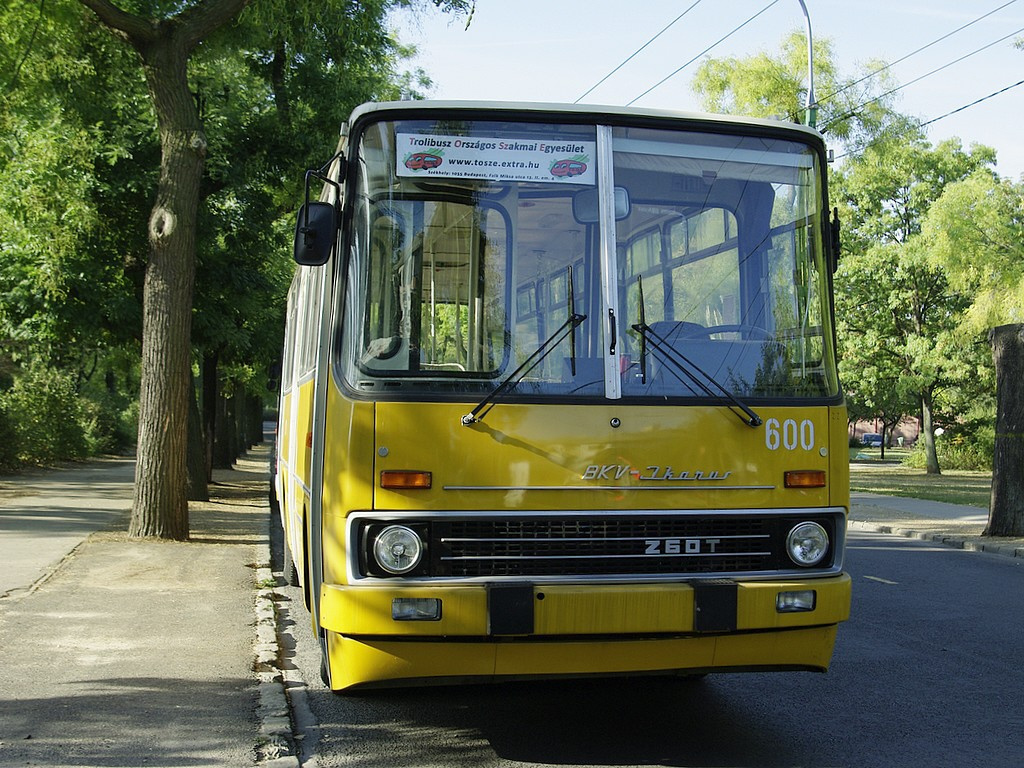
x=8 y=439
x=46 y=417
x=971 y=452
x=110 y=423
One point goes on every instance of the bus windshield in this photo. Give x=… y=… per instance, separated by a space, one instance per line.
x=689 y=256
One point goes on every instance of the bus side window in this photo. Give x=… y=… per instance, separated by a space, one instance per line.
x=644 y=262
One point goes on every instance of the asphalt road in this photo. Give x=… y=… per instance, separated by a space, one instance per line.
x=927 y=672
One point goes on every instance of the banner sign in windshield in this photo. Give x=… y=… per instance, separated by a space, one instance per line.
x=472 y=157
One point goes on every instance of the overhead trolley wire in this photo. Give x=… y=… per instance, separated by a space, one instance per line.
x=638 y=50
x=713 y=45
x=891 y=64
x=940 y=117
x=853 y=111
x=973 y=103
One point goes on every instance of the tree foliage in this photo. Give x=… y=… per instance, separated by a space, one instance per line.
x=975 y=231
x=885 y=191
x=67 y=291
x=76 y=164
x=169 y=167
x=894 y=304
x=774 y=84
x=868 y=307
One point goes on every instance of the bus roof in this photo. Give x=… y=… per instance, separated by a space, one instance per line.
x=589 y=112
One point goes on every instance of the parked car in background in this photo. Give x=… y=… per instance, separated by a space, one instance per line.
x=871 y=439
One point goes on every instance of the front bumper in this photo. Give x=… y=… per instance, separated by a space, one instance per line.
x=583 y=609
x=573 y=630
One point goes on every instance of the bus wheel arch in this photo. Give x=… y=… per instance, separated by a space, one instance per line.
x=289 y=571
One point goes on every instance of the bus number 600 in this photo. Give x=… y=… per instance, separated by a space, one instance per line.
x=789 y=434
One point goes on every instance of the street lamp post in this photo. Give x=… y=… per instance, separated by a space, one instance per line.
x=811 y=104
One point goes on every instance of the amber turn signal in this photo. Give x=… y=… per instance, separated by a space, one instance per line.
x=805 y=478
x=405 y=479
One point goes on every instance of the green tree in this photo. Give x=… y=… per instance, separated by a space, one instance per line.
x=975 y=230
x=774 y=84
x=898 y=320
x=272 y=90
x=892 y=300
x=165 y=35
x=872 y=371
x=885 y=190
x=65 y=277
x=76 y=167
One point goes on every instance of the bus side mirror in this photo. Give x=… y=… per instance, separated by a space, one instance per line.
x=274 y=371
x=315 y=233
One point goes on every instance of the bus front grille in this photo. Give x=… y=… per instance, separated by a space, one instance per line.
x=551 y=545
x=594 y=545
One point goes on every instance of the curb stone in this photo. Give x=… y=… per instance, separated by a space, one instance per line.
x=993 y=547
x=276 y=740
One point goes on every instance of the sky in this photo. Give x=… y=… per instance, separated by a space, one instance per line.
x=555 y=50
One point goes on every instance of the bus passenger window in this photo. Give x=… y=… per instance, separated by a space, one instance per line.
x=643 y=259
x=381 y=335
x=705 y=269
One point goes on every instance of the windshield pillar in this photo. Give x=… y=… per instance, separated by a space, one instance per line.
x=609 y=266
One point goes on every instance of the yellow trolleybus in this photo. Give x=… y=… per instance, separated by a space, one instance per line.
x=560 y=397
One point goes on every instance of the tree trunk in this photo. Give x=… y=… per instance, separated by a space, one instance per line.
x=255 y=420
x=928 y=433
x=225 y=439
x=198 y=490
x=1006 y=508
x=160 y=506
x=210 y=387
x=888 y=428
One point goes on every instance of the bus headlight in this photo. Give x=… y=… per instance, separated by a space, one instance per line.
x=807 y=544
x=398 y=549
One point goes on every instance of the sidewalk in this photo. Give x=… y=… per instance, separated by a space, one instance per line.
x=46 y=514
x=954 y=525
x=137 y=652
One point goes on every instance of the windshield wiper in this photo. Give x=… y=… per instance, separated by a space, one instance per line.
x=684 y=365
x=572 y=314
x=642 y=324
x=567 y=329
